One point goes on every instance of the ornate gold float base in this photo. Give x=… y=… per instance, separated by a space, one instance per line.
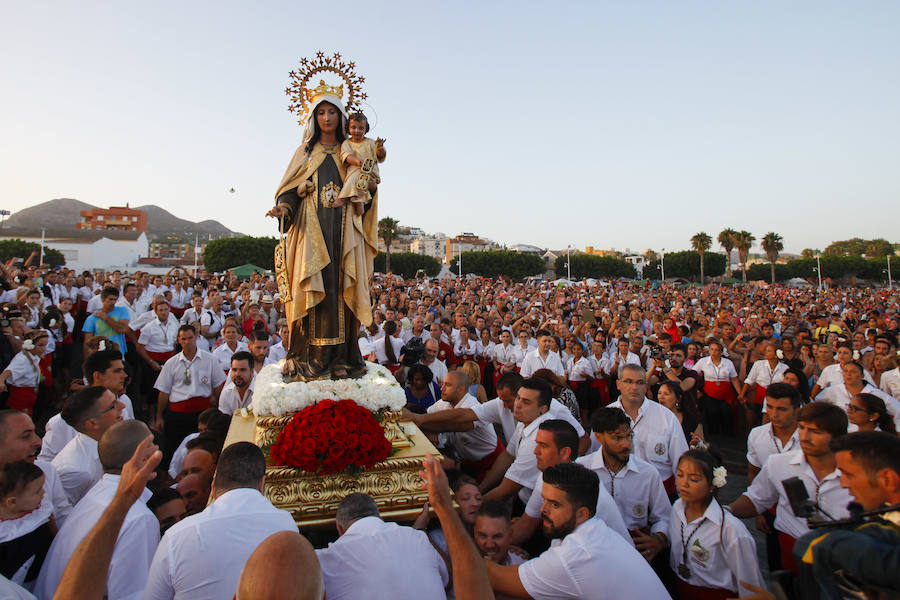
x=313 y=499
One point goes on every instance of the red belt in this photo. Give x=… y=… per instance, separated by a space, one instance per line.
x=721 y=390
x=482 y=466
x=161 y=357
x=760 y=394
x=21 y=398
x=393 y=368
x=191 y=405
x=686 y=591
x=787 y=552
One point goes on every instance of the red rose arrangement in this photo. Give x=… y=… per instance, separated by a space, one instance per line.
x=331 y=436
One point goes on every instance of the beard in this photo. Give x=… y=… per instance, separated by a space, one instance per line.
x=557 y=532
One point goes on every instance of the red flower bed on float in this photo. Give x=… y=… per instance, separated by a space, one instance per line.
x=329 y=437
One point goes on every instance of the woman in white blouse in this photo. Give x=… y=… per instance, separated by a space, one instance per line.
x=762 y=374
x=720 y=389
x=711 y=550
x=232 y=343
x=22 y=377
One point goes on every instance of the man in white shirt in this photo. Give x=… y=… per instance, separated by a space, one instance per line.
x=493 y=533
x=543 y=358
x=430 y=360
x=212 y=320
x=814 y=465
x=478 y=445
x=374 y=559
x=658 y=437
x=90 y=411
x=633 y=483
x=138 y=536
x=557 y=442
x=238 y=392
x=189 y=383
x=201 y=557
x=587 y=560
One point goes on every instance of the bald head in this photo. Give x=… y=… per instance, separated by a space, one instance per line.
x=283 y=567
x=119 y=442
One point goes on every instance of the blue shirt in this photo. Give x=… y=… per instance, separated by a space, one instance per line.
x=95 y=326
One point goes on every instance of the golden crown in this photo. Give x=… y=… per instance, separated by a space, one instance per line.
x=302 y=96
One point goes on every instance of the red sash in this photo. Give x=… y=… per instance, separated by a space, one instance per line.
x=481 y=467
x=721 y=390
x=178 y=312
x=161 y=357
x=21 y=398
x=393 y=368
x=46 y=373
x=191 y=405
x=686 y=591
x=787 y=552
x=760 y=394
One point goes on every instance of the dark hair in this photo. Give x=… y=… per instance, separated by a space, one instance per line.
x=460 y=479
x=825 y=416
x=317 y=133
x=784 y=390
x=803 y=388
x=54 y=313
x=874 y=404
x=419 y=369
x=495 y=509
x=100 y=362
x=541 y=385
x=187 y=327
x=241 y=465
x=15 y=475
x=109 y=291
x=258 y=335
x=609 y=418
x=242 y=355
x=580 y=484
x=511 y=381
x=390 y=328
x=79 y=406
x=707 y=461
x=542 y=333
x=874 y=450
x=162 y=496
x=678 y=346
x=207 y=415
x=359 y=117
x=862 y=371
x=210 y=441
x=564 y=435
x=218 y=422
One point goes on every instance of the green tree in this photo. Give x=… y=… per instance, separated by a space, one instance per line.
x=772 y=244
x=726 y=240
x=810 y=252
x=701 y=242
x=493 y=263
x=743 y=241
x=387 y=231
x=858 y=246
x=686 y=264
x=407 y=264
x=763 y=271
x=226 y=253
x=17 y=248
x=597 y=267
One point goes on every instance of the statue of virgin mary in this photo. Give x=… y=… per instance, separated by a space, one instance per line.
x=328 y=252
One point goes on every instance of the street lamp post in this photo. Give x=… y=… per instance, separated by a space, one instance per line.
x=459 y=262
x=819 y=269
x=568 y=262
x=662 y=264
x=890 y=279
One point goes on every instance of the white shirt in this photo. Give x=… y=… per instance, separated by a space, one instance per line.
x=533 y=362
x=579 y=371
x=618 y=363
x=54 y=503
x=763 y=443
x=180 y=454
x=223 y=354
x=205 y=375
x=833 y=374
x=637 y=491
x=58 y=434
x=495 y=413
x=277 y=352
x=767 y=488
x=763 y=375
x=94 y=304
x=230 y=400
x=471 y=445
x=607 y=511
x=838 y=395
x=722 y=372
x=504 y=354
x=591 y=563
x=524 y=469
x=381 y=355
x=201 y=557
x=78 y=466
x=658 y=437
x=714 y=563
x=376 y=560
x=213 y=321
x=467 y=352
x=485 y=352
x=438 y=369
x=132 y=308
x=180 y=298
x=131 y=556
x=191 y=316
x=599 y=365
x=11 y=591
x=520 y=353
x=890 y=382
x=159 y=337
x=24 y=370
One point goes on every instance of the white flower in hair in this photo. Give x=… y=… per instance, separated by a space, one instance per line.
x=779 y=354
x=856 y=355
x=101 y=346
x=28 y=345
x=719 y=476
x=52 y=323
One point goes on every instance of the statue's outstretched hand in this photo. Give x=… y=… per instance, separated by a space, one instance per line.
x=278 y=212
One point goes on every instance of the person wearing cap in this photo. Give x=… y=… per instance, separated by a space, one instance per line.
x=268 y=311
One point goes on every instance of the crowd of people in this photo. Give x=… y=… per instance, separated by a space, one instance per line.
x=578 y=423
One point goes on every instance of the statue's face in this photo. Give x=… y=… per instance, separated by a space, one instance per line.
x=327 y=117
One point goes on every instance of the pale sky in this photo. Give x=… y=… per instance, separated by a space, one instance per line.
x=612 y=124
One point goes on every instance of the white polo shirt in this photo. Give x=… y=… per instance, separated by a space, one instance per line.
x=658 y=437
x=375 y=560
x=763 y=375
x=721 y=552
x=505 y=355
x=521 y=446
x=494 y=412
x=838 y=395
x=607 y=511
x=533 y=362
x=763 y=443
x=767 y=488
x=890 y=382
x=833 y=374
x=471 y=445
x=223 y=354
x=591 y=563
x=579 y=371
x=637 y=491
x=78 y=466
x=205 y=375
x=24 y=370
x=438 y=369
x=201 y=557
x=159 y=337
x=723 y=372
x=230 y=400
x=135 y=544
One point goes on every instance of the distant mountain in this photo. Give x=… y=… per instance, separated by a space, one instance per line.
x=61 y=215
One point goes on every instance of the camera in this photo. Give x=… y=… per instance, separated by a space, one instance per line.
x=412 y=351
x=4 y=322
x=656 y=353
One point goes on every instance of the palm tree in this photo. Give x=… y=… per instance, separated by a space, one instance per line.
x=743 y=241
x=772 y=244
x=701 y=242
x=726 y=240
x=387 y=231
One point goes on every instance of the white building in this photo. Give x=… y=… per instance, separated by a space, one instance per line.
x=639 y=263
x=85 y=250
x=526 y=249
x=429 y=245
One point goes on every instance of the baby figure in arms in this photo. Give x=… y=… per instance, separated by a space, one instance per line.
x=361 y=156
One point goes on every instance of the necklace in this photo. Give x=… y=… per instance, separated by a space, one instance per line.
x=683 y=569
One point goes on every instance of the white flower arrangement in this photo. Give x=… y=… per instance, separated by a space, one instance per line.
x=375 y=390
x=719 y=476
x=28 y=345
